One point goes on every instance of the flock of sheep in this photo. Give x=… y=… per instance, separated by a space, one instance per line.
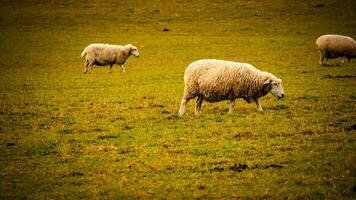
x=216 y=80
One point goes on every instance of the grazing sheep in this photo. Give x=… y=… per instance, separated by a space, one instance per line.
x=334 y=46
x=217 y=80
x=106 y=54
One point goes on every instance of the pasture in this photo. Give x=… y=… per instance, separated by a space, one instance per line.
x=69 y=135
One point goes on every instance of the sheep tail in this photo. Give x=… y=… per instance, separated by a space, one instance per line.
x=84 y=52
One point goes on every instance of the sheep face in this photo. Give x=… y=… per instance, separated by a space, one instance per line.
x=276 y=87
x=134 y=51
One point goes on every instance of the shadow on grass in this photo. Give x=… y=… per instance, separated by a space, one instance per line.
x=243 y=135
x=279 y=107
x=332 y=65
x=339 y=76
x=351 y=128
x=241 y=167
x=106 y=137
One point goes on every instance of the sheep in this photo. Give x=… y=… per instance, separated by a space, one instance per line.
x=334 y=46
x=106 y=54
x=216 y=80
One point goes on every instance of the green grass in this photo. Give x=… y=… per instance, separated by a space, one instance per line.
x=66 y=135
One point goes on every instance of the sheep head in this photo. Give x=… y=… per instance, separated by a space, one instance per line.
x=275 y=86
x=134 y=51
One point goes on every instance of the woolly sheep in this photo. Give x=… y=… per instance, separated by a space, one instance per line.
x=106 y=54
x=217 y=80
x=334 y=46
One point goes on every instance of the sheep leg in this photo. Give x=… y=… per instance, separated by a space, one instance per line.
x=258 y=105
x=86 y=63
x=188 y=94
x=322 y=56
x=198 y=105
x=343 y=60
x=231 y=105
x=123 y=68
x=182 y=106
x=346 y=58
x=92 y=69
x=110 y=69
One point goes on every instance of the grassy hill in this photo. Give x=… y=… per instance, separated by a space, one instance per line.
x=69 y=135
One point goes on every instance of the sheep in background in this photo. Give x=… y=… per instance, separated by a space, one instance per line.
x=217 y=80
x=334 y=46
x=106 y=54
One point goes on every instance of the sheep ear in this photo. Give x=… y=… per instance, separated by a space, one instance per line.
x=267 y=82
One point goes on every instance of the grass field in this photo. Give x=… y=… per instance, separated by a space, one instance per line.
x=69 y=135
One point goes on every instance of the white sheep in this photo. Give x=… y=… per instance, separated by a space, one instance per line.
x=334 y=46
x=217 y=80
x=106 y=54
